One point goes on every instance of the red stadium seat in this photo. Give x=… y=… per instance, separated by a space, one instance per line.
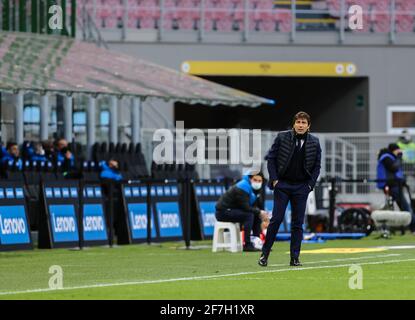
x=148 y=13
x=239 y=15
x=334 y=7
x=381 y=22
x=283 y=18
x=170 y=9
x=406 y=5
x=405 y=16
x=404 y=22
x=380 y=5
x=188 y=14
x=218 y=15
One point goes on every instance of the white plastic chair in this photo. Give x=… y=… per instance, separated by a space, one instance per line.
x=220 y=243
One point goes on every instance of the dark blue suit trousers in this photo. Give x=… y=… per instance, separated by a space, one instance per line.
x=297 y=194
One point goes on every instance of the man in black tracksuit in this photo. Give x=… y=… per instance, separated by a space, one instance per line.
x=294 y=162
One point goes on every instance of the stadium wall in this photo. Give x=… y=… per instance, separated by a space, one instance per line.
x=390 y=69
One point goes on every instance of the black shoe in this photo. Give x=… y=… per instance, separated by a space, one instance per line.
x=250 y=248
x=263 y=260
x=295 y=262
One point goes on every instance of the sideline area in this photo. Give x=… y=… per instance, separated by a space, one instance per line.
x=140 y=272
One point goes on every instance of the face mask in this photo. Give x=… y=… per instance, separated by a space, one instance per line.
x=256 y=185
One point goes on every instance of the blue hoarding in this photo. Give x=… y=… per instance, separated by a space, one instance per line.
x=207 y=211
x=137 y=214
x=14 y=228
x=169 y=219
x=63 y=223
x=95 y=228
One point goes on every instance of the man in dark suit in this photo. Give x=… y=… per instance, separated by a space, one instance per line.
x=294 y=162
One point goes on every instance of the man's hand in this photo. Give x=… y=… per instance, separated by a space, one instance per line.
x=264 y=216
x=274 y=183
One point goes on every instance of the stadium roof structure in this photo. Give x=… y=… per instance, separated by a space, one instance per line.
x=49 y=63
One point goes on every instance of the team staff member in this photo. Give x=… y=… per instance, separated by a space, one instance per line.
x=64 y=155
x=12 y=154
x=111 y=170
x=241 y=204
x=390 y=174
x=294 y=162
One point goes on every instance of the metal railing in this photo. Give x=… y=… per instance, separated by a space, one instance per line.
x=345 y=156
x=90 y=31
x=250 y=17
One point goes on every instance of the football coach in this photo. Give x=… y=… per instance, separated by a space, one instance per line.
x=293 y=163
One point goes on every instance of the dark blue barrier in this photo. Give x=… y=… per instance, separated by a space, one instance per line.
x=58 y=226
x=206 y=194
x=60 y=215
x=14 y=224
x=167 y=203
x=95 y=226
x=152 y=211
x=136 y=211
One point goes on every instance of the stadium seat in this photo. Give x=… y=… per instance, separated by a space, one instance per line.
x=405 y=16
x=266 y=17
x=404 y=22
x=218 y=15
x=148 y=13
x=170 y=15
x=406 y=5
x=103 y=14
x=239 y=15
x=381 y=22
x=188 y=15
x=283 y=19
x=133 y=21
x=191 y=172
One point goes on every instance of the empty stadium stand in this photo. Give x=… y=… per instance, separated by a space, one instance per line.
x=173 y=171
x=233 y=15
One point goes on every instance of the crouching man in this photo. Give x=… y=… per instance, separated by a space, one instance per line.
x=241 y=204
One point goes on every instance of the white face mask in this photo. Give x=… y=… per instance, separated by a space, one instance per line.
x=256 y=185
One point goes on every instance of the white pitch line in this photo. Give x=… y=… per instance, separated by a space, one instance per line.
x=346 y=259
x=200 y=277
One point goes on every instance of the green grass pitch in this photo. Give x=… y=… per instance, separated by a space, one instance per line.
x=167 y=271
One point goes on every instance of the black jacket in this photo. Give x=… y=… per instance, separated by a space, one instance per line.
x=281 y=151
x=236 y=198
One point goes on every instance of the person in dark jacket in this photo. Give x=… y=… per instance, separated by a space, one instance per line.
x=391 y=178
x=37 y=153
x=241 y=204
x=12 y=155
x=110 y=171
x=294 y=162
x=64 y=155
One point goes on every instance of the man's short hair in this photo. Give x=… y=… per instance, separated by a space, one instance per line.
x=10 y=144
x=392 y=147
x=302 y=115
x=256 y=173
